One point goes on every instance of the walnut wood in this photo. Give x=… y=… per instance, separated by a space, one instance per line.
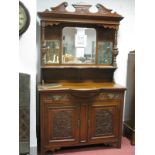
x=104 y=21
x=85 y=115
x=82 y=15
x=83 y=86
x=84 y=123
x=79 y=104
x=77 y=74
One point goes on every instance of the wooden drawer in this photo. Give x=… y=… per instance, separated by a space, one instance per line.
x=108 y=96
x=55 y=97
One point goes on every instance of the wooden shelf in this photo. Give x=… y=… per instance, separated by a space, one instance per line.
x=80 y=86
x=78 y=66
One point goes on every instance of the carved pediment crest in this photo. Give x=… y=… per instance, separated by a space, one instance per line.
x=82 y=9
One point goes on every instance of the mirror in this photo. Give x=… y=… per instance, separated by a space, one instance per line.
x=105 y=49
x=79 y=45
x=51 y=49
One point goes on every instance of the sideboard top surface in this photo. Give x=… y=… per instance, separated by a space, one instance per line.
x=83 y=86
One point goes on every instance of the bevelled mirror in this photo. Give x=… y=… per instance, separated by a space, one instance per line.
x=78 y=45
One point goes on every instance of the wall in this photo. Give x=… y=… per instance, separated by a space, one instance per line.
x=28 y=64
x=29 y=51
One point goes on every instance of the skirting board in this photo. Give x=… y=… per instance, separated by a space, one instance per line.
x=129 y=132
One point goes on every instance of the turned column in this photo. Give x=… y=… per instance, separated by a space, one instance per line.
x=115 y=49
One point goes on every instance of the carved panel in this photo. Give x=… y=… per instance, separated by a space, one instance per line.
x=82 y=8
x=52 y=23
x=62 y=125
x=103 y=96
x=109 y=26
x=57 y=97
x=104 y=124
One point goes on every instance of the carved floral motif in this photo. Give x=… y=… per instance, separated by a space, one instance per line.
x=103 y=122
x=62 y=125
x=109 y=96
x=58 y=97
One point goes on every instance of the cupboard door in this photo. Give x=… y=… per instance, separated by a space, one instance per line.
x=103 y=122
x=61 y=124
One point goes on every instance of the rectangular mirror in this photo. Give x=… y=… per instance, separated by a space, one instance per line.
x=105 y=49
x=79 y=45
x=51 y=50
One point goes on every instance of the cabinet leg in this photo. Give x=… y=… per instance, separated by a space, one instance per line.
x=58 y=148
x=117 y=145
x=133 y=138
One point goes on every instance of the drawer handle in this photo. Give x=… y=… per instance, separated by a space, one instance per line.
x=83 y=141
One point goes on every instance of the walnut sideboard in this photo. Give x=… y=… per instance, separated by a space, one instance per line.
x=79 y=101
x=73 y=114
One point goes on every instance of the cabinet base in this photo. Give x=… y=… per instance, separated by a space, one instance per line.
x=106 y=145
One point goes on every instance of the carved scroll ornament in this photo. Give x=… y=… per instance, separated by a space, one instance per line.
x=83 y=9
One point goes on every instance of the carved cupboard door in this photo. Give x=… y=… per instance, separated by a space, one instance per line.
x=61 y=124
x=103 y=122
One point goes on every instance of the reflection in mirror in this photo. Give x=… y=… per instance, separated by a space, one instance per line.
x=50 y=50
x=105 y=52
x=79 y=45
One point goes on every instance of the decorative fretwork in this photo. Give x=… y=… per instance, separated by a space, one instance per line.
x=109 y=26
x=103 y=122
x=62 y=125
x=51 y=23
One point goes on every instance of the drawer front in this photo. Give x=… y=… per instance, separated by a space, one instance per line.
x=109 y=96
x=55 y=97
